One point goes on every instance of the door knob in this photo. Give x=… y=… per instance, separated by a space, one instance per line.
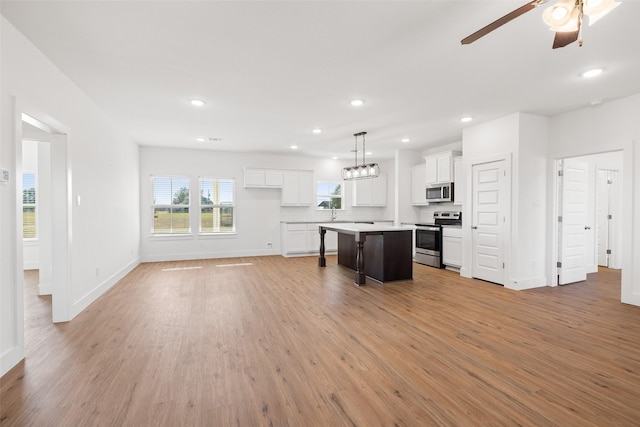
x=474 y=227
x=586 y=227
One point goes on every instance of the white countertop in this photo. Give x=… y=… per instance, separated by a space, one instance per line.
x=356 y=227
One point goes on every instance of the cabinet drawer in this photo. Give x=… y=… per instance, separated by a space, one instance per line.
x=452 y=232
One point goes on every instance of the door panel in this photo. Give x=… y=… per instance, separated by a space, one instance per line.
x=574 y=218
x=602 y=211
x=487 y=221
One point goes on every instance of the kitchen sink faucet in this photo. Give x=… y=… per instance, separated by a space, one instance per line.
x=333 y=213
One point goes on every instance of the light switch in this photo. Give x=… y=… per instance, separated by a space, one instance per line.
x=4 y=175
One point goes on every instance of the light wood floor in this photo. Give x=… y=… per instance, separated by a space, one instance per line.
x=282 y=342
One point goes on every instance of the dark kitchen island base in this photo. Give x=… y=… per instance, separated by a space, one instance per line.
x=382 y=253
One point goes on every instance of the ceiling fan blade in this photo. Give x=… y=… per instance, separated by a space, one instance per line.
x=501 y=21
x=565 y=38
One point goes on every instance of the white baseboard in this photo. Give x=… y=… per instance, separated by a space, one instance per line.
x=90 y=297
x=520 y=285
x=45 y=288
x=10 y=358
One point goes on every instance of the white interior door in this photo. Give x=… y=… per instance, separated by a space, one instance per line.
x=487 y=221
x=602 y=216
x=573 y=225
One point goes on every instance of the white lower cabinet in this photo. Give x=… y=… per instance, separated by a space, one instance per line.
x=452 y=246
x=304 y=239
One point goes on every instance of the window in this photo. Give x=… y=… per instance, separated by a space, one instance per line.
x=329 y=194
x=216 y=205
x=170 y=205
x=29 y=206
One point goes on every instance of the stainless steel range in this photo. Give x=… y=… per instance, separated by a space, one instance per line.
x=429 y=238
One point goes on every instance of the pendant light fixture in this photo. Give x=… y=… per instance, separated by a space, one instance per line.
x=360 y=171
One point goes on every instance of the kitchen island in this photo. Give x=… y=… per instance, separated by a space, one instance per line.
x=381 y=252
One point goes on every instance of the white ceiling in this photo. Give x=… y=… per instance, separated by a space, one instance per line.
x=271 y=71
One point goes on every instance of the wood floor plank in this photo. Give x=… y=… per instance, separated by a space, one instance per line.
x=279 y=341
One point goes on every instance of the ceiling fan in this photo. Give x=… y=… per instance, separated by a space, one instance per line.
x=564 y=18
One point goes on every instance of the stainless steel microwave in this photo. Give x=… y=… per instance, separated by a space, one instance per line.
x=440 y=192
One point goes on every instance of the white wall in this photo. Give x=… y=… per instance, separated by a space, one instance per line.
x=611 y=126
x=521 y=139
x=102 y=166
x=258 y=210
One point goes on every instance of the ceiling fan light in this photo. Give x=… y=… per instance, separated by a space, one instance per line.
x=595 y=16
x=559 y=14
x=594 y=7
x=568 y=24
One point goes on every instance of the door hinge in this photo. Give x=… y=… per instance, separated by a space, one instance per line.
x=559 y=264
x=609 y=181
x=560 y=218
x=560 y=172
x=608 y=251
x=609 y=216
x=503 y=265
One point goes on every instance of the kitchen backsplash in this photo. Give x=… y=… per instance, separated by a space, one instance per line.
x=426 y=212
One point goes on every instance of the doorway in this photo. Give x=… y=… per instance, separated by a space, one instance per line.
x=53 y=200
x=589 y=203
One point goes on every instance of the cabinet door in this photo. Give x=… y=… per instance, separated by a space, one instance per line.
x=458 y=181
x=418 y=184
x=362 y=192
x=452 y=251
x=331 y=241
x=253 y=178
x=296 y=238
x=431 y=164
x=305 y=188
x=379 y=191
x=443 y=173
x=297 y=188
x=290 y=188
x=273 y=178
x=313 y=238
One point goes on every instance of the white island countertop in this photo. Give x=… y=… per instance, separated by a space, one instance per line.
x=360 y=227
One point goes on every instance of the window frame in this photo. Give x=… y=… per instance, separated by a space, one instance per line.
x=339 y=182
x=171 y=206
x=202 y=206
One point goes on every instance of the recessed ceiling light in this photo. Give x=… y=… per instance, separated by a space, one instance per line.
x=294 y=147
x=405 y=140
x=368 y=153
x=201 y=139
x=317 y=130
x=357 y=102
x=334 y=158
x=466 y=119
x=592 y=73
x=197 y=102
x=595 y=102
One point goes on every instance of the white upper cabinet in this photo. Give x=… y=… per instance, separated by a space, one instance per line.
x=263 y=178
x=370 y=191
x=418 y=184
x=440 y=167
x=459 y=187
x=297 y=188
